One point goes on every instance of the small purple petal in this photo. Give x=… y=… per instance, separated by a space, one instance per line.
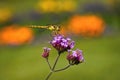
x=74 y=54
x=68 y=39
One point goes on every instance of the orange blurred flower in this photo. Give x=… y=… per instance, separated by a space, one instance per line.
x=15 y=35
x=87 y=25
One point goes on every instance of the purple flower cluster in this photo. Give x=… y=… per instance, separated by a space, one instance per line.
x=61 y=43
x=76 y=57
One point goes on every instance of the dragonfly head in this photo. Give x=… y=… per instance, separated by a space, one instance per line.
x=57 y=27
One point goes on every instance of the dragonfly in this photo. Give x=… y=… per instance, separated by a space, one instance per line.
x=54 y=28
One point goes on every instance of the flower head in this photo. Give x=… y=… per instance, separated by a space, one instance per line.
x=76 y=57
x=61 y=43
x=46 y=52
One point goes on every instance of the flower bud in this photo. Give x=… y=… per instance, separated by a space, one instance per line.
x=76 y=57
x=46 y=52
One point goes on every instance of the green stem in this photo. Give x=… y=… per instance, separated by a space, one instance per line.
x=48 y=63
x=52 y=69
x=56 y=62
x=63 y=68
x=48 y=76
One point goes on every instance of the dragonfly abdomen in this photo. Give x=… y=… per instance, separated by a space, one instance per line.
x=34 y=26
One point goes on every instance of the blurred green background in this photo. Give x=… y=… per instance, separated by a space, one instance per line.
x=24 y=61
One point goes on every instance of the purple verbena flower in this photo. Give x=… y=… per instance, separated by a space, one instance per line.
x=62 y=43
x=46 y=52
x=76 y=57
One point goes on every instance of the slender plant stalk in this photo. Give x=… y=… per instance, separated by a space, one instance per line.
x=56 y=62
x=52 y=69
x=48 y=63
x=48 y=76
x=63 y=68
